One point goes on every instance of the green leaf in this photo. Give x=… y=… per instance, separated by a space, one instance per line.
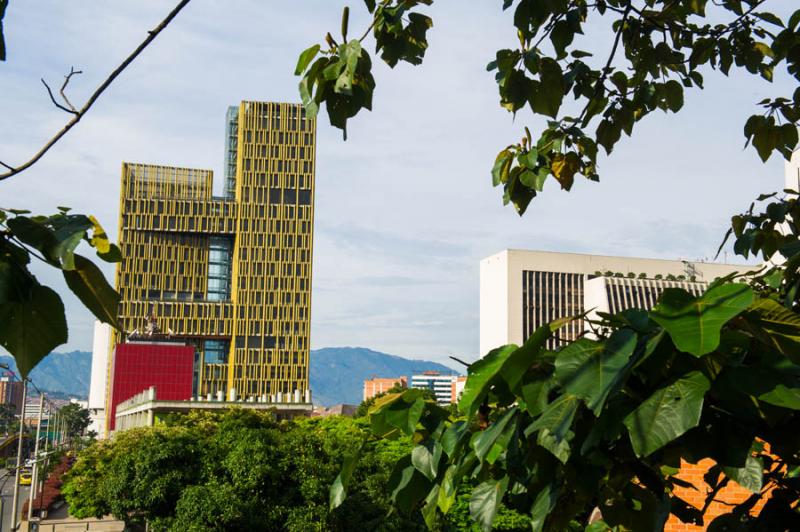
x=589 y=369
x=674 y=95
x=406 y=485
x=485 y=500
x=490 y=443
x=782 y=396
x=429 y=508
x=88 y=283
x=338 y=490
x=750 y=477
x=481 y=375
x=32 y=325
x=426 y=458
x=447 y=489
x=776 y=326
x=35 y=234
x=397 y=412
x=667 y=414
x=694 y=323
x=542 y=506
x=554 y=426
x=305 y=58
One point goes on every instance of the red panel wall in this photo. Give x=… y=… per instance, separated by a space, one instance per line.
x=137 y=367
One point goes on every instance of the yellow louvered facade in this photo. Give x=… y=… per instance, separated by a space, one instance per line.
x=256 y=299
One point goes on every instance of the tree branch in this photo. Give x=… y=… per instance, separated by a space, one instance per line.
x=53 y=99
x=151 y=35
x=72 y=72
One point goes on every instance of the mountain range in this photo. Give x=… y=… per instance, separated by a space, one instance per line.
x=337 y=373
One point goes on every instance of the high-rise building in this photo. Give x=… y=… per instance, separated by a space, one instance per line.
x=522 y=290
x=99 y=379
x=229 y=275
x=11 y=393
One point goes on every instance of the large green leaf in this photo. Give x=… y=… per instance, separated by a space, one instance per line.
x=667 y=414
x=425 y=458
x=776 y=326
x=554 y=426
x=32 y=325
x=88 y=283
x=484 y=501
x=589 y=369
x=783 y=396
x=542 y=506
x=481 y=375
x=750 y=477
x=406 y=485
x=305 y=58
x=396 y=413
x=490 y=443
x=694 y=323
x=338 y=490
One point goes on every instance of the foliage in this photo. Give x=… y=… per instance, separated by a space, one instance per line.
x=660 y=49
x=366 y=404
x=32 y=321
x=237 y=471
x=75 y=418
x=607 y=421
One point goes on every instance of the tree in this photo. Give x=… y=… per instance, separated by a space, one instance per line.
x=240 y=470
x=606 y=421
x=75 y=418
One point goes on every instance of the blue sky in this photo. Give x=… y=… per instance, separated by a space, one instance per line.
x=405 y=208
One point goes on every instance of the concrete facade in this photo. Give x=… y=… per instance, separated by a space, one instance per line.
x=521 y=290
x=98 y=384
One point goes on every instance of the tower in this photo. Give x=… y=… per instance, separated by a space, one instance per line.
x=230 y=275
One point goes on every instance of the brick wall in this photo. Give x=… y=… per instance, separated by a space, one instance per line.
x=728 y=496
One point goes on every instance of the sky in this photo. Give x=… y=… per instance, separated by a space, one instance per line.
x=405 y=208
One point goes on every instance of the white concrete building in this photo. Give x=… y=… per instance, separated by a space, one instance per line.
x=523 y=290
x=442 y=386
x=98 y=384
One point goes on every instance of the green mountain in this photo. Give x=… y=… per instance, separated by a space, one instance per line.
x=337 y=373
x=67 y=373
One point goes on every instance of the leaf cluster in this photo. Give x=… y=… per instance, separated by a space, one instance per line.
x=237 y=471
x=32 y=320
x=342 y=76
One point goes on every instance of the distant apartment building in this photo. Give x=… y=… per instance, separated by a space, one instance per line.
x=11 y=393
x=231 y=275
x=377 y=385
x=444 y=387
x=522 y=290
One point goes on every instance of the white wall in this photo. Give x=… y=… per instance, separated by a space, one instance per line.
x=494 y=302
x=99 y=377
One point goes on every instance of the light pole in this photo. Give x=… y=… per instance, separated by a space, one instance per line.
x=34 y=477
x=15 y=500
